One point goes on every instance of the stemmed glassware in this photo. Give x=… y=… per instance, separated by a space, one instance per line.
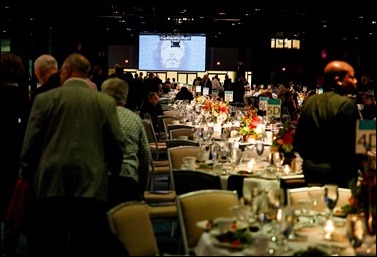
x=278 y=159
x=356 y=229
x=315 y=192
x=207 y=134
x=331 y=196
x=259 y=148
x=215 y=152
x=235 y=157
x=276 y=207
x=287 y=222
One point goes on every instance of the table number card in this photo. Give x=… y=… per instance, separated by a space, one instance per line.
x=365 y=135
x=273 y=108
x=205 y=90
x=263 y=103
x=228 y=96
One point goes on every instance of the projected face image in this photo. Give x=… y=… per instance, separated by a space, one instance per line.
x=171 y=56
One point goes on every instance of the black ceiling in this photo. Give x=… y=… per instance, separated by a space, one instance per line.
x=120 y=22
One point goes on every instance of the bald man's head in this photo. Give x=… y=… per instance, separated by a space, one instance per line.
x=340 y=76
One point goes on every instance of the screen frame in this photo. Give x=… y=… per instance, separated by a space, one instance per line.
x=193 y=56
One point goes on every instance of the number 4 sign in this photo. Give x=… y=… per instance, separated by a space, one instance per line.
x=365 y=135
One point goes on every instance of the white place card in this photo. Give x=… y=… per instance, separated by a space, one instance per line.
x=198 y=89
x=205 y=90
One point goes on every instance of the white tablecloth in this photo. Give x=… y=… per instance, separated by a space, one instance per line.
x=312 y=237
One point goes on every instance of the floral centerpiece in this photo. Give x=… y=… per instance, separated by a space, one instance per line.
x=283 y=140
x=199 y=100
x=217 y=110
x=249 y=124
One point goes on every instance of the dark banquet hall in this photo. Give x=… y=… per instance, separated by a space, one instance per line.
x=139 y=128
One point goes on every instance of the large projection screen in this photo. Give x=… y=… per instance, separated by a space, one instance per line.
x=161 y=52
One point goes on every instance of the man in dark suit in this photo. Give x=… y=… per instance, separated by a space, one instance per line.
x=72 y=141
x=326 y=129
x=152 y=109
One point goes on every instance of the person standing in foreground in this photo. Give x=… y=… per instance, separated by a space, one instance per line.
x=13 y=103
x=326 y=129
x=46 y=71
x=131 y=182
x=73 y=139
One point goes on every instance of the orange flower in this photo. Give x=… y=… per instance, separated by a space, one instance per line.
x=249 y=122
x=284 y=139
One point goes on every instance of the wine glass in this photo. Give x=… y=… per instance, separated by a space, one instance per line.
x=277 y=203
x=215 y=152
x=286 y=222
x=235 y=157
x=278 y=159
x=315 y=192
x=331 y=196
x=356 y=229
x=259 y=148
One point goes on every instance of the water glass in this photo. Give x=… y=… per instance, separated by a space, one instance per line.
x=356 y=229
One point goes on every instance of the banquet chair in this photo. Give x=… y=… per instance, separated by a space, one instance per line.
x=167 y=107
x=174 y=113
x=295 y=195
x=158 y=171
x=155 y=146
x=171 y=127
x=175 y=156
x=254 y=186
x=158 y=196
x=161 y=126
x=131 y=223
x=235 y=182
x=193 y=180
x=168 y=120
x=202 y=205
x=179 y=132
x=180 y=142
